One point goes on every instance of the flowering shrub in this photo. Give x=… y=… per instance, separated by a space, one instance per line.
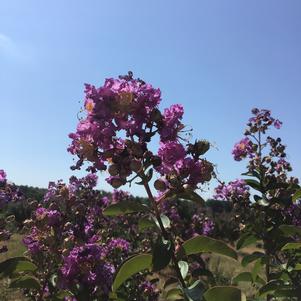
x=84 y=245
x=272 y=212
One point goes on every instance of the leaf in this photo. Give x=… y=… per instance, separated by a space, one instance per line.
x=252 y=174
x=61 y=295
x=256 y=269
x=130 y=267
x=287 y=293
x=192 y=196
x=297 y=195
x=251 y=257
x=146 y=223
x=174 y=294
x=161 y=254
x=15 y=265
x=26 y=281
x=202 y=244
x=291 y=246
x=290 y=230
x=224 y=293
x=254 y=184
x=124 y=207
x=165 y=221
x=183 y=265
x=247 y=277
x=270 y=287
x=263 y=202
x=246 y=240
x=297 y=267
x=195 y=291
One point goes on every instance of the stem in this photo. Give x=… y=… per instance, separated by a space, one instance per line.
x=261 y=172
x=164 y=232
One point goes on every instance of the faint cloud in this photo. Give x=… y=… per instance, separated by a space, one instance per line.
x=9 y=49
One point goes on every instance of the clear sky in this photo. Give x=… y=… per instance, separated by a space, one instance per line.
x=218 y=58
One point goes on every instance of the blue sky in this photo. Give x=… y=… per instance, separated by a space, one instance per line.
x=218 y=58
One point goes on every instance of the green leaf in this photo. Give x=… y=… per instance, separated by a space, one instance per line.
x=297 y=195
x=26 y=281
x=161 y=254
x=15 y=265
x=165 y=221
x=130 y=267
x=251 y=257
x=202 y=244
x=224 y=293
x=263 y=202
x=195 y=291
x=291 y=246
x=246 y=240
x=252 y=174
x=287 y=293
x=270 y=287
x=174 y=294
x=145 y=223
x=192 y=196
x=297 y=267
x=254 y=184
x=256 y=269
x=247 y=277
x=183 y=265
x=61 y=295
x=125 y=207
x=290 y=230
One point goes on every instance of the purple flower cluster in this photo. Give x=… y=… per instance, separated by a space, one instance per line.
x=122 y=104
x=234 y=190
x=262 y=119
x=69 y=232
x=242 y=149
x=172 y=123
x=178 y=167
x=121 y=118
x=86 y=266
x=148 y=291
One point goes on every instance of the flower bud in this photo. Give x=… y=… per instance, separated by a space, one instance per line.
x=156 y=116
x=116 y=182
x=113 y=170
x=156 y=161
x=137 y=150
x=201 y=147
x=160 y=185
x=136 y=165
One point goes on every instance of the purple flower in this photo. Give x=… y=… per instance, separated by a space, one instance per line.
x=53 y=217
x=85 y=265
x=234 y=190
x=172 y=124
x=208 y=227
x=242 y=149
x=277 y=124
x=170 y=152
x=118 y=244
x=2 y=176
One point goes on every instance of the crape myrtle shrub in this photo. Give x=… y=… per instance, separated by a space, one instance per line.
x=86 y=246
x=272 y=214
